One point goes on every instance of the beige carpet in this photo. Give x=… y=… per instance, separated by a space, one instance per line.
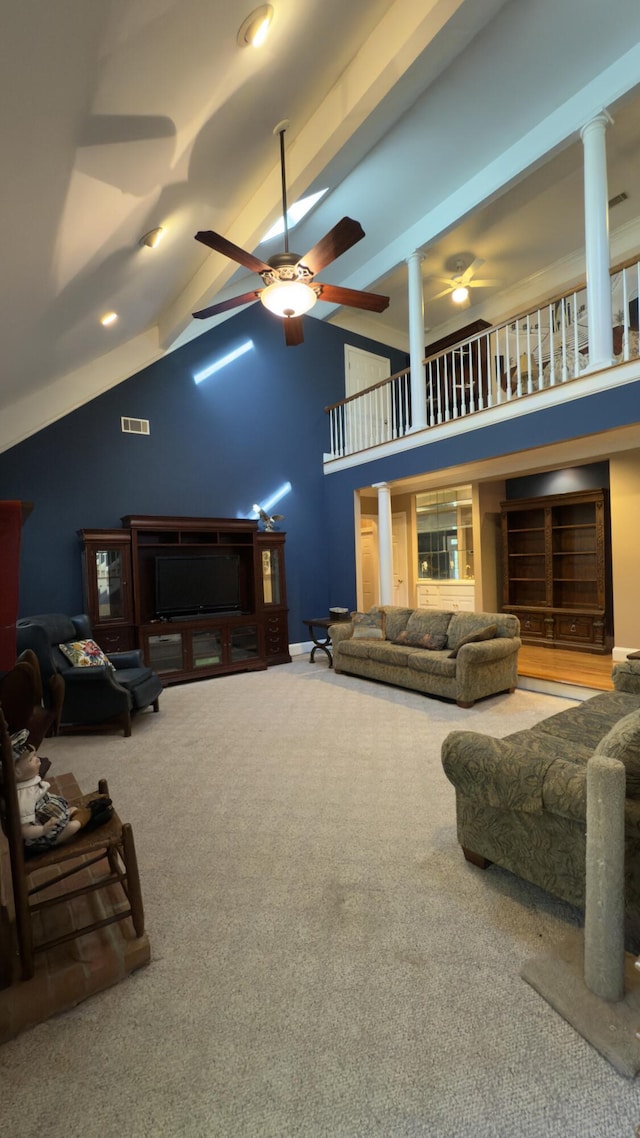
x=325 y=963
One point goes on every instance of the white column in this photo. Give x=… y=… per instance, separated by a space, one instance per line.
x=385 y=546
x=596 y=222
x=416 y=342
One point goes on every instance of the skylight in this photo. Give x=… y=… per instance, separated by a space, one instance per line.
x=295 y=213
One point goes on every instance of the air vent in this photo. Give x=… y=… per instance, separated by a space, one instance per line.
x=618 y=199
x=134 y=426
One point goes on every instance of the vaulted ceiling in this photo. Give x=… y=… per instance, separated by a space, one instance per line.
x=422 y=118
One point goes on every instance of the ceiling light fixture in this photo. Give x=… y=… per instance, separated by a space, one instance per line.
x=152 y=238
x=254 y=30
x=109 y=318
x=460 y=294
x=288 y=298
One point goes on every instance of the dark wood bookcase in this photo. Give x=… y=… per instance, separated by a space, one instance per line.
x=119 y=572
x=556 y=563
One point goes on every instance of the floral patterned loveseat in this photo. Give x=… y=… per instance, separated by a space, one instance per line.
x=521 y=800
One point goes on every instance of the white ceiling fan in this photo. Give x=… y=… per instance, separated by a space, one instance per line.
x=463 y=279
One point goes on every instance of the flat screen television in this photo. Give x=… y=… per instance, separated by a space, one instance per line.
x=197 y=585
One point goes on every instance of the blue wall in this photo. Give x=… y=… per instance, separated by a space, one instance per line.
x=214 y=449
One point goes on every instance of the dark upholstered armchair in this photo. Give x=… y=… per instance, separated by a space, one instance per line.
x=97 y=695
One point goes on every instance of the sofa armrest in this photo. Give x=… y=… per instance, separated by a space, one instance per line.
x=340 y=631
x=626 y=676
x=131 y=659
x=487 y=651
x=494 y=771
x=90 y=677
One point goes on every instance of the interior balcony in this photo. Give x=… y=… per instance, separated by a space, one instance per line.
x=532 y=360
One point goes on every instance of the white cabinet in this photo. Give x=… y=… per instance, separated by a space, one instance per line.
x=453 y=596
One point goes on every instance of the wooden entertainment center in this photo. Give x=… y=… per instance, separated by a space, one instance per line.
x=120 y=575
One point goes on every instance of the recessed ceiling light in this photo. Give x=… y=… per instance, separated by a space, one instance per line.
x=152 y=238
x=254 y=30
x=109 y=318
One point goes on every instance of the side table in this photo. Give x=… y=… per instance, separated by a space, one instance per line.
x=320 y=622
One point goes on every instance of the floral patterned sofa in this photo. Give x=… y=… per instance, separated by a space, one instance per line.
x=463 y=656
x=521 y=800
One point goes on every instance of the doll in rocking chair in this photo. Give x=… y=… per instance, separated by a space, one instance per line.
x=47 y=819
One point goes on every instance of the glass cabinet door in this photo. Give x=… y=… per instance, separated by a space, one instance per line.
x=206 y=647
x=110 y=581
x=271 y=576
x=243 y=640
x=107 y=591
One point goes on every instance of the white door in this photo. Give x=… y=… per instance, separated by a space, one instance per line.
x=368 y=420
x=399 y=554
x=369 y=564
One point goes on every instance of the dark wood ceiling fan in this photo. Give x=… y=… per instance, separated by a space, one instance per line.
x=289 y=285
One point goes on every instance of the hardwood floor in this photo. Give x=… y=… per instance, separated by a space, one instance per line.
x=583 y=669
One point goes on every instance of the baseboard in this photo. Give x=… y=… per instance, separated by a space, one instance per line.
x=555 y=687
x=621 y=653
x=301 y=649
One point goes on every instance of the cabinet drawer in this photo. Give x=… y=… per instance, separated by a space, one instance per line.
x=578 y=629
x=460 y=598
x=533 y=624
x=114 y=639
x=276 y=635
x=456 y=602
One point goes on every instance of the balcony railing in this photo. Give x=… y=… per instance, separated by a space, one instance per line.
x=526 y=354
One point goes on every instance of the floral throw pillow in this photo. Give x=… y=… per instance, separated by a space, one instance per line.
x=429 y=640
x=85 y=654
x=368 y=626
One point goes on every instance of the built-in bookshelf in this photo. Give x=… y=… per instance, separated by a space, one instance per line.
x=556 y=569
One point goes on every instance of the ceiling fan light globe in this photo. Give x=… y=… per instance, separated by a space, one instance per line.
x=288 y=298
x=460 y=294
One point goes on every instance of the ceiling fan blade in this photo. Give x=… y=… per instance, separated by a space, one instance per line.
x=353 y=298
x=473 y=268
x=293 y=332
x=344 y=234
x=483 y=284
x=445 y=292
x=225 y=305
x=221 y=245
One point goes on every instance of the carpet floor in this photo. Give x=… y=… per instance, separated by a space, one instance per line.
x=324 y=961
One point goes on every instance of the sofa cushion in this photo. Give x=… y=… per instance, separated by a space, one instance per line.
x=432 y=642
x=357 y=648
x=396 y=617
x=368 y=625
x=434 y=663
x=623 y=742
x=388 y=653
x=489 y=632
x=428 y=622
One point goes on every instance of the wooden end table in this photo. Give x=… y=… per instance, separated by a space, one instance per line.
x=320 y=622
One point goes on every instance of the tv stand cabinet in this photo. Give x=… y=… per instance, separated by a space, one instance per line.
x=119 y=595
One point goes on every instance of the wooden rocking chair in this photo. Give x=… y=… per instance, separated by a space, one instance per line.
x=101 y=859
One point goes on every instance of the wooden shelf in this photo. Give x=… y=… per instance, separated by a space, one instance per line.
x=560 y=597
